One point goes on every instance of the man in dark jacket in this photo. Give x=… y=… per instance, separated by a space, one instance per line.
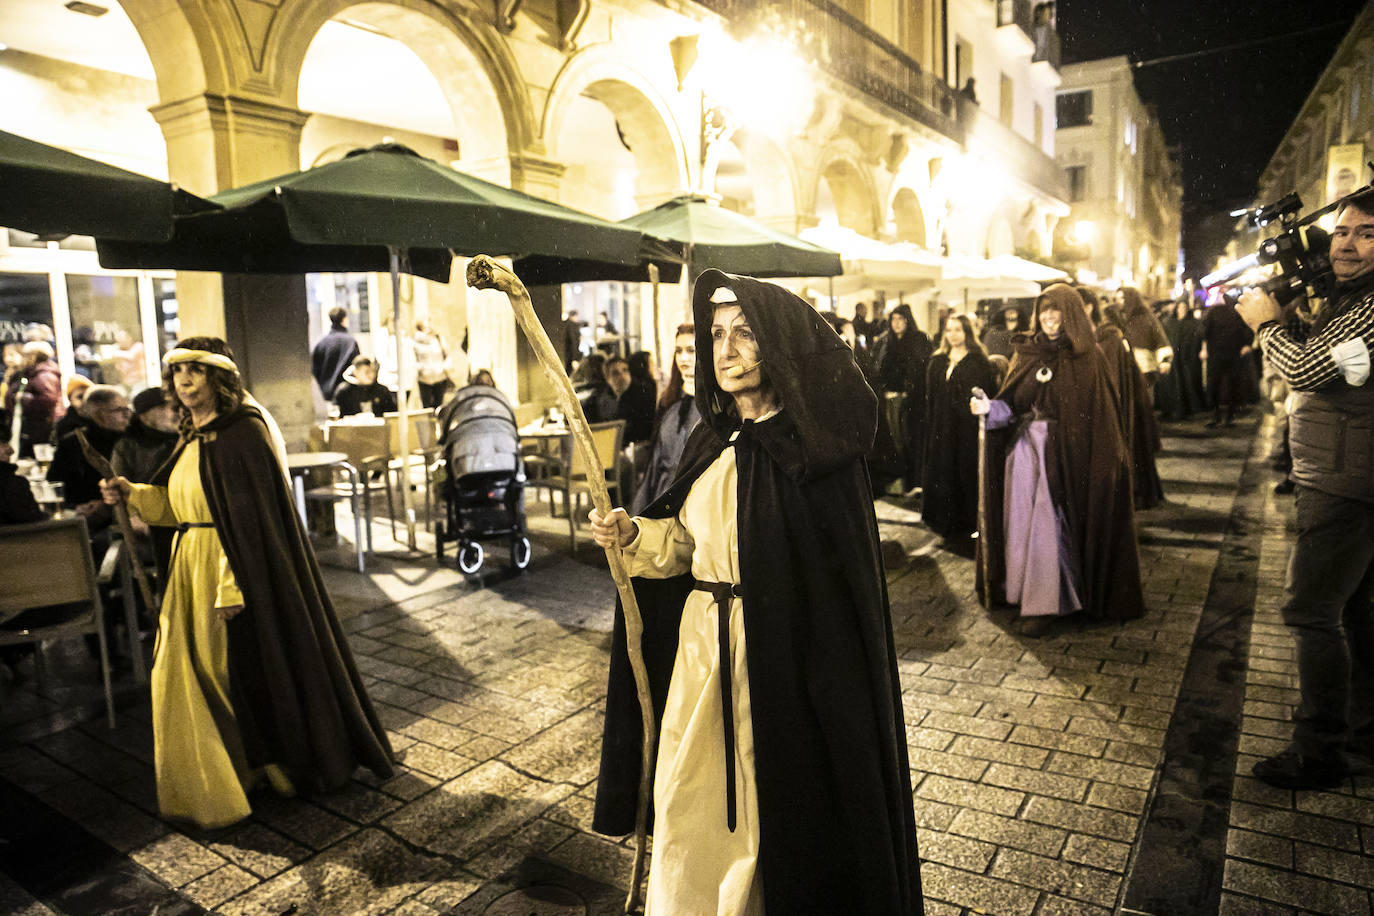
x=1331 y=573
x=1226 y=343
x=360 y=391
x=334 y=353
x=621 y=400
x=150 y=438
x=107 y=414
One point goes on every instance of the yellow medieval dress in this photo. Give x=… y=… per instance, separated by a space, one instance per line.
x=699 y=866
x=202 y=773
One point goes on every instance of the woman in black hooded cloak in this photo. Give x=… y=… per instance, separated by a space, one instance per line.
x=782 y=781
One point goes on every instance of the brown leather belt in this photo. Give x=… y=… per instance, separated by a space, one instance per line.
x=723 y=592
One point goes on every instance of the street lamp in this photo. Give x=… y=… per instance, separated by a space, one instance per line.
x=1083 y=231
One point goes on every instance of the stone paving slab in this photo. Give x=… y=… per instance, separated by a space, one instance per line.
x=1032 y=760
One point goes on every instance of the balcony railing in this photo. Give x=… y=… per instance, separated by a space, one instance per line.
x=1015 y=13
x=1018 y=155
x=1046 y=45
x=852 y=52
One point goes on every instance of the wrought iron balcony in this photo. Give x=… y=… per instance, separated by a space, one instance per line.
x=1046 y=45
x=849 y=50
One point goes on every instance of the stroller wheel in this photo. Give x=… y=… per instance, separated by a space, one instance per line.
x=470 y=557
x=520 y=552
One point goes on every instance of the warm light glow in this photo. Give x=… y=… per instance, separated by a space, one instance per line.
x=1083 y=231
x=761 y=81
x=969 y=182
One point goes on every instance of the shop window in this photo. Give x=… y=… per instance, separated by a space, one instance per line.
x=107 y=336
x=167 y=314
x=18 y=238
x=24 y=300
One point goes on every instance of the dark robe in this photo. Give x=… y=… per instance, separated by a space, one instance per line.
x=297 y=697
x=899 y=365
x=836 y=825
x=1138 y=423
x=1088 y=462
x=949 y=504
x=1179 y=394
x=675 y=423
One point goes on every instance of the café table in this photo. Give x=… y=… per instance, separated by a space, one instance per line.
x=300 y=464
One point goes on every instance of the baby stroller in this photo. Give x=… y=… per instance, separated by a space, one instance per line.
x=484 y=480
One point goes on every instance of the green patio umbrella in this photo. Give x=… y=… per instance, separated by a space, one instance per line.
x=51 y=192
x=381 y=208
x=712 y=236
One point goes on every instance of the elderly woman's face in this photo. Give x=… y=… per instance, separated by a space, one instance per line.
x=734 y=347
x=1051 y=322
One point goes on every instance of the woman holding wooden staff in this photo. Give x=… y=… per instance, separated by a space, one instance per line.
x=782 y=781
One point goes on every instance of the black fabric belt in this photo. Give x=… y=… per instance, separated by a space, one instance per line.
x=183 y=527
x=723 y=592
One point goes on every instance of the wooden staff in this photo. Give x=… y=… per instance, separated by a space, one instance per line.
x=485 y=273
x=985 y=589
x=121 y=513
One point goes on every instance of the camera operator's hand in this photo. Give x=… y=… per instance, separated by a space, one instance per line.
x=1256 y=307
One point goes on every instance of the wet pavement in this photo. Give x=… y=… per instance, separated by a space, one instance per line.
x=1101 y=769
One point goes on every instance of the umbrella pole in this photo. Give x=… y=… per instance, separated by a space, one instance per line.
x=658 y=330
x=404 y=418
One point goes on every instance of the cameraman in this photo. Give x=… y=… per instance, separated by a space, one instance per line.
x=1331 y=573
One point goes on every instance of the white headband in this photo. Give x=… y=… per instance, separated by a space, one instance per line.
x=205 y=357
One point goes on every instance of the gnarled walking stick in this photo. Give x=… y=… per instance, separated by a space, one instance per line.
x=484 y=273
x=121 y=513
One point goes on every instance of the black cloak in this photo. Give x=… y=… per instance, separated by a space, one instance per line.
x=297 y=696
x=1135 y=409
x=899 y=364
x=1179 y=394
x=1088 y=463
x=837 y=829
x=949 y=501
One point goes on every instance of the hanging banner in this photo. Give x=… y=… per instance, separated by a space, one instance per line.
x=1344 y=168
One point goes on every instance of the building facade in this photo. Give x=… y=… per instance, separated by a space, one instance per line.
x=1324 y=154
x=1124 y=183
x=794 y=112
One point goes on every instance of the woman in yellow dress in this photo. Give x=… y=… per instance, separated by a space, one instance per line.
x=252 y=678
x=782 y=781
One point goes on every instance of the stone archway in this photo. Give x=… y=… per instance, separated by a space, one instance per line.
x=751 y=175
x=845 y=194
x=605 y=119
x=908 y=217
x=186 y=58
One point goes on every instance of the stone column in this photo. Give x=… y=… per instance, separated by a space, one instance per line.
x=216 y=142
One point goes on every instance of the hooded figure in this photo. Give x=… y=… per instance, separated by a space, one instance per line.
x=1149 y=344
x=794 y=797
x=1061 y=527
x=1135 y=408
x=900 y=356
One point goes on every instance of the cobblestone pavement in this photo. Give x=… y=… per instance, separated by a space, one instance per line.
x=1043 y=770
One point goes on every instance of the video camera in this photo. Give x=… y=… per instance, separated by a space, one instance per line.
x=1301 y=249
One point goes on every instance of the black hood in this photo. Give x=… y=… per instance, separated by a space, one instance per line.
x=830 y=411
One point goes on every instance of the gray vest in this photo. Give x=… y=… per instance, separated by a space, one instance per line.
x=1331 y=433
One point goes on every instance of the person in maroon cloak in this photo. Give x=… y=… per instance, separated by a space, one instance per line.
x=1139 y=425
x=1060 y=535
x=773 y=493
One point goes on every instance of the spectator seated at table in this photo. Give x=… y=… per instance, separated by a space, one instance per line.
x=17 y=505
x=361 y=392
x=106 y=416
x=77 y=388
x=622 y=400
x=145 y=446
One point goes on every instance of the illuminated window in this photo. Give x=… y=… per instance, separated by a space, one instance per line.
x=1039 y=126
x=1007 y=99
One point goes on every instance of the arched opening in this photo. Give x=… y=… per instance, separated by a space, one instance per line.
x=908 y=217
x=426 y=88
x=84 y=83
x=1000 y=238
x=843 y=197
x=752 y=176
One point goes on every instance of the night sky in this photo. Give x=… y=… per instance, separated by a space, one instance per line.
x=1227 y=111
